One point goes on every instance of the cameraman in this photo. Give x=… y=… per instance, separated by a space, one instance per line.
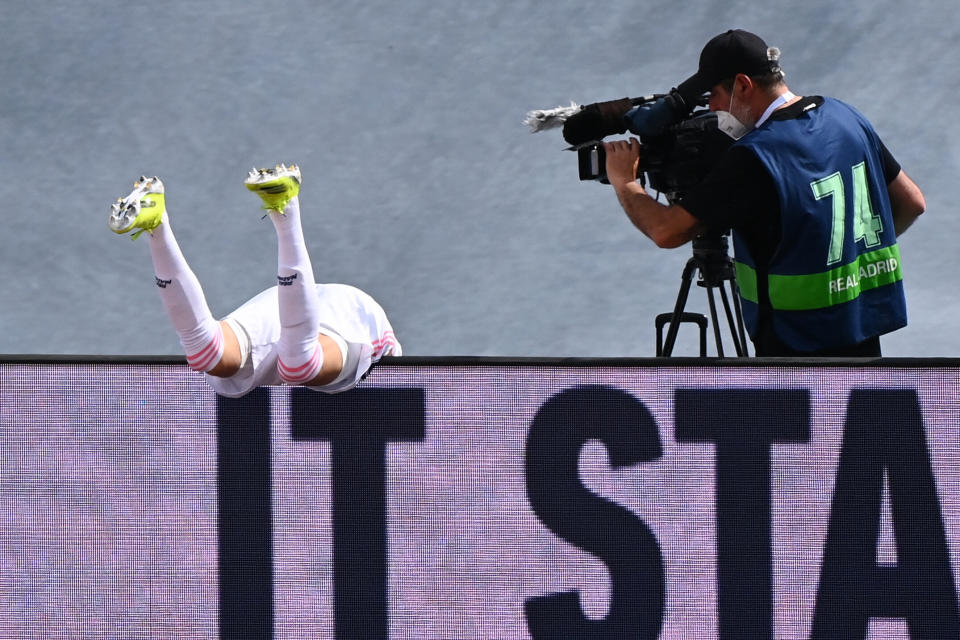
x=814 y=199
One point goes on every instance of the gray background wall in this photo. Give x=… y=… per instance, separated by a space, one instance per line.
x=421 y=184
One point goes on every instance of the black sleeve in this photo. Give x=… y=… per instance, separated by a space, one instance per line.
x=734 y=192
x=891 y=168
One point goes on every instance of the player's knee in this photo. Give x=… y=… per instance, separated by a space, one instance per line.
x=224 y=369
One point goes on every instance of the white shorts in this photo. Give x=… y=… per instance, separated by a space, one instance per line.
x=345 y=311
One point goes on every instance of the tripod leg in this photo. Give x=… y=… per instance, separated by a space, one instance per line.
x=674 y=327
x=739 y=312
x=738 y=343
x=716 y=323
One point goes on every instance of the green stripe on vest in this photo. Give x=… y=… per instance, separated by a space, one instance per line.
x=747 y=282
x=826 y=289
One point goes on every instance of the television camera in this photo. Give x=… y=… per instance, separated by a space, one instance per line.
x=674 y=160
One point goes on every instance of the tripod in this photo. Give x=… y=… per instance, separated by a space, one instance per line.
x=711 y=261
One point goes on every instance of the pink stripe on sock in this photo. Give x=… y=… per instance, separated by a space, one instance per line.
x=207 y=357
x=305 y=372
x=386 y=343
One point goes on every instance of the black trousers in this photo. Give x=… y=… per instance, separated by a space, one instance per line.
x=768 y=345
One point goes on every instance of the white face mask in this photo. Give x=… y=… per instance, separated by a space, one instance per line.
x=736 y=128
x=729 y=123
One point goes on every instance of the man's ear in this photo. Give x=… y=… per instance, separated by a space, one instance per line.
x=745 y=82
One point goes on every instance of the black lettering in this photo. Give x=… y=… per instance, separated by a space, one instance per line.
x=561 y=428
x=243 y=516
x=359 y=424
x=744 y=424
x=885 y=431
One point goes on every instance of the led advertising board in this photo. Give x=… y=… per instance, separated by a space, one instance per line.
x=482 y=500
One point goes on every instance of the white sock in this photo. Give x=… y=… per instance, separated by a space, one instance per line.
x=298 y=351
x=180 y=291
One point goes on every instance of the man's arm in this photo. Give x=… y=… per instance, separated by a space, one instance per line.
x=667 y=225
x=907 y=202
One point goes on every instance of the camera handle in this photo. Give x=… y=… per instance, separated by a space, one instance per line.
x=715 y=269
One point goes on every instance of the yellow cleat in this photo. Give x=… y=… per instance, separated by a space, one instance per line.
x=276 y=187
x=142 y=209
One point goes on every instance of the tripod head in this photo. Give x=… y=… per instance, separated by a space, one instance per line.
x=715 y=268
x=710 y=255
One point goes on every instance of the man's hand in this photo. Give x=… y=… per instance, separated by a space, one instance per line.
x=667 y=226
x=623 y=160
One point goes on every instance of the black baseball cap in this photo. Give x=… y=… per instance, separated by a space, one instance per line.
x=730 y=53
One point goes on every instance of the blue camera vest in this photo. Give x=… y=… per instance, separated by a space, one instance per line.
x=835 y=277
